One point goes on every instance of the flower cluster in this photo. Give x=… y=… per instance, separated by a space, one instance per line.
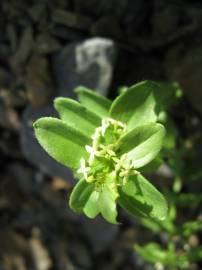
x=104 y=158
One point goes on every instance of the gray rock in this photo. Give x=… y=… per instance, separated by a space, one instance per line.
x=31 y=148
x=88 y=63
x=99 y=233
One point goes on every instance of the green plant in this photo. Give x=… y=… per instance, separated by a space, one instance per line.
x=176 y=240
x=108 y=145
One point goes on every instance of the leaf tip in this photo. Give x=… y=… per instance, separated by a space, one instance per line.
x=79 y=89
x=36 y=124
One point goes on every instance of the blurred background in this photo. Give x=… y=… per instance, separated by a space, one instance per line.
x=47 y=48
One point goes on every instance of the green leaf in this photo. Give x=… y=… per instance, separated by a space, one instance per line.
x=107 y=204
x=137 y=105
x=102 y=201
x=62 y=142
x=167 y=224
x=153 y=253
x=91 y=209
x=80 y=195
x=86 y=198
x=142 y=144
x=187 y=199
x=190 y=227
x=94 y=102
x=77 y=116
x=195 y=254
x=139 y=197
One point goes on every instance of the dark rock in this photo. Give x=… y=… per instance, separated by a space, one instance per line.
x=37 y=11
x=24 y=48
x=135 y=16
x=23 y=178
x=67 y=33
x=185 y=67
x=88 y=63
x=165 y=20
x=99 y=233
x=8 y=116
x=33 y=151
x=107 y=26
x=38 y=81
x=100 y=7
x=70 y=19
x=46 y=44
x=80 y=255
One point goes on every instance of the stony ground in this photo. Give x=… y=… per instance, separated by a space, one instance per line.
x=46 y=49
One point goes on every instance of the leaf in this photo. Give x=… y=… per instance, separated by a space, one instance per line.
x=81 y=195
x=91 y=209
x=153 y=253
x=195 y=254
x=107 y=205
x=102 y=201
x=86 y=198
x=167 y=224
x=139 y=197
x=77 y=116
x=62 y=142
x=94 y=102
x=190 y=227
x=142 y=144
x=187 y=199
x=137 y=105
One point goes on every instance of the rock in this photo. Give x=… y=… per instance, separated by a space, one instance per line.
x=31 y=148
x=99 y=233
x=39 y=253
x=101 y=7
x=88 y=63
x=135 y=17
x=24 y=49
x=80 y=255
x=12 y=36
x=8 y=116
x=185 y=66
x=38 y=81
x=46 y=44
x=37 y=11
x=165 y=20
x=70 y=19
x=107 y=26
x=62 y=32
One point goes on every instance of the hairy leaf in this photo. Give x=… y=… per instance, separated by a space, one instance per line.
x=137 y=105
x=94 y=102
x=62 y=142
x=142 y=144
x=139 y=197
x=77 y=116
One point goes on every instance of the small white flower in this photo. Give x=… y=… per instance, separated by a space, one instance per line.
x=83 y=169
x=104 y=126
x=96 y=135
x=93 y=152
